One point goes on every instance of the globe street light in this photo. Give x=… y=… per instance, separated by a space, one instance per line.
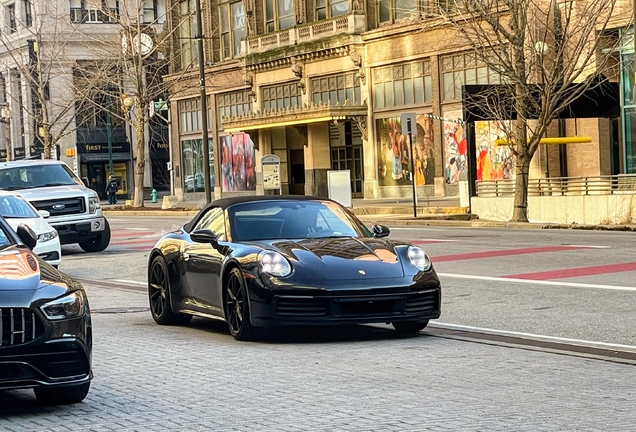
x=5 y=119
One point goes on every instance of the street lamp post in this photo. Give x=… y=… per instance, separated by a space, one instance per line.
x=204 y=105
x=109 y=132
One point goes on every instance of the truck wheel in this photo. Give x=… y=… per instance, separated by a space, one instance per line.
x=99 y=243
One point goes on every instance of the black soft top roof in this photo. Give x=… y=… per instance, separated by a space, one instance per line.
x=224 y=203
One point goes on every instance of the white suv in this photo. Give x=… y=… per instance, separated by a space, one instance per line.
x=74 y=209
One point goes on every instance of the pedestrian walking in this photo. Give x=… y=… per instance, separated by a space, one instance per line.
x=111 y=190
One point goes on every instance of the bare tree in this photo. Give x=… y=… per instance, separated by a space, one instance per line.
x=547 y=53
x=50 y=38
x=131 y=70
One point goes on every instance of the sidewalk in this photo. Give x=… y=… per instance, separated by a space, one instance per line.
x=434 y=211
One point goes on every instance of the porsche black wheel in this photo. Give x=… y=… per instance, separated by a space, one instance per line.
x=409 y=326
x=237 y=309
x=159 y=295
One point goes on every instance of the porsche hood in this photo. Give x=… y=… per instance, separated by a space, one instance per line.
x=342 y=258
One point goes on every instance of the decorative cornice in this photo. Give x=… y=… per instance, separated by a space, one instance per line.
x=295 y=116
x=327 y=53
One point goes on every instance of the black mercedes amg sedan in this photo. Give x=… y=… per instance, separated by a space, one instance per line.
x=265 y=261
x=45 y=324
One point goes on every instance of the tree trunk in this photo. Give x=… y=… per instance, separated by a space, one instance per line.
x=520 y=210
x=138 y=198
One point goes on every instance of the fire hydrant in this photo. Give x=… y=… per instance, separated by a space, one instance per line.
x=153 y=195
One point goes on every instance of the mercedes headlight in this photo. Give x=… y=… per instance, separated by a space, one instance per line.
x=418 y=258
x=274 y=264
x=93 y=204
x=47 y=236
x=70 y=306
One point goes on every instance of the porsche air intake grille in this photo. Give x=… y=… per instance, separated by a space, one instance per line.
x=300 y=307
x=18 y=326
x=423 y=302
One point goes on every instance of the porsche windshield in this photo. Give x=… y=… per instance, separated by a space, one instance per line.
x=36 y=176
x=271 y=220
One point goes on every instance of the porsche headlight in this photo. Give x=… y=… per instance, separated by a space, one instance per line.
x=419 y=258
x=47 y=236
x=70 y=306
x=93 y=204
x=274 y=264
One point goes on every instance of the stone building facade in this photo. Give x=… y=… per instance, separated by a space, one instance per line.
x=323 y=85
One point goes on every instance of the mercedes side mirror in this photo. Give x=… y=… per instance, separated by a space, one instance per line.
x=380 y=231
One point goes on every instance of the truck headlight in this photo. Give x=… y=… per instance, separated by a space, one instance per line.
x=93 y=204
x=70 y=306
x=47 y=236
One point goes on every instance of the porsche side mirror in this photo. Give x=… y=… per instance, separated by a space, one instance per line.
x=44 y=213
x=204 y=236
x=27 y=236
x=381 y=231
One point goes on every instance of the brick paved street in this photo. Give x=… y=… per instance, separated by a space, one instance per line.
x=153 y=378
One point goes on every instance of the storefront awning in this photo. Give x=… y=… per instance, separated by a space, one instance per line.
x=293 y=117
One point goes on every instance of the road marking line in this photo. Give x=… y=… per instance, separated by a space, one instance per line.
x=530 y=335
x=539 y=282
x=129 y=281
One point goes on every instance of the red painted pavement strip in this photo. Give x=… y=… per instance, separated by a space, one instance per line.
x=505 y=252
x=574 y=272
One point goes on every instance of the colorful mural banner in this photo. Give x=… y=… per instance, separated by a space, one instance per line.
x=455 y=147
x=394 y=153
x=493 y=162
x=238 y=172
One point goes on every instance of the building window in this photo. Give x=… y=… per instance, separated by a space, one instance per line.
x=233 y=104
x=460 y=69
x=343 y=88
x=187 y=31
x=9 y=13
x=279 y=15
x=192 y=164
x=282 y=96
x=85 y=11
x=190 y=115
x=331 y=8
x=403 y=84
x=394 y=10
x=28 y=15
x=149 y=11
x=232 y=24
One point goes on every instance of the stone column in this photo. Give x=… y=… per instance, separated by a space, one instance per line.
x=317 y=159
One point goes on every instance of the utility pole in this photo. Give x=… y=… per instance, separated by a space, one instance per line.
x=204 y=106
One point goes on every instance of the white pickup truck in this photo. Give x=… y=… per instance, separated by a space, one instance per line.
x=74 y=209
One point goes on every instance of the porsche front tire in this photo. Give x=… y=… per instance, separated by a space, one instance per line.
x=409 y=326
x=237 y=307
x=159 y=295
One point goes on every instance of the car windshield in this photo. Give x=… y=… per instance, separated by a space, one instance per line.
x=272 y=220
x=16 y=207
x=36 y=176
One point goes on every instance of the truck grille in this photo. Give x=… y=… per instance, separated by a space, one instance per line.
x=18 y=326
x=60 y=207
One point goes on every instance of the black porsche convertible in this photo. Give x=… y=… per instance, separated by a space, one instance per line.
x=264 y=261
